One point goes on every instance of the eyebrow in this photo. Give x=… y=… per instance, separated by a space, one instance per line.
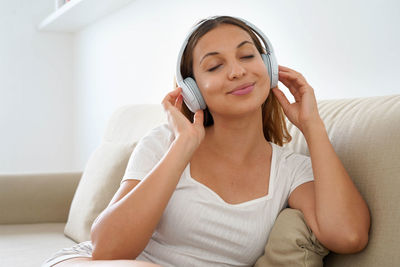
x=216 y=53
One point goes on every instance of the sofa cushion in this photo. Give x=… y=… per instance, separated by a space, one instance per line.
x=99 y=182
x=365 y=133
x=26 y=245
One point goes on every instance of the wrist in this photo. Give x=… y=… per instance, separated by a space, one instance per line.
x=313 y=127
x=188 y=143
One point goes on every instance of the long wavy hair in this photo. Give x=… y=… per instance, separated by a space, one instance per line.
x=273 y=117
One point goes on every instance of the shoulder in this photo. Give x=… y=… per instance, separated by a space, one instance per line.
x=292 y=165
x=161 y=131
x=292 y=169
x=285 y=155
x=148 y=152
x=159 y=134
x=155 y=142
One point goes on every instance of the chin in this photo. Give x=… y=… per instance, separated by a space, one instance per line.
x=242 y=109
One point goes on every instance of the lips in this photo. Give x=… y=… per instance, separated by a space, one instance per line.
x=243 y=89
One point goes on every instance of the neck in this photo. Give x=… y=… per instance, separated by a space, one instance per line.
x=237 y=139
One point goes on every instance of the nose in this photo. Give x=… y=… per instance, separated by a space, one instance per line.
x=236 y=71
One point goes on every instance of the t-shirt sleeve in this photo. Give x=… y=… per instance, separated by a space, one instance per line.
x=148 y=152
x=301 y=171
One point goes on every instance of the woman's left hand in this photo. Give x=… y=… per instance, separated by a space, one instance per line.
x=304 y=111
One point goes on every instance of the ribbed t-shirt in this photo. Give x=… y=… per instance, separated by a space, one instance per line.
x=198 y=228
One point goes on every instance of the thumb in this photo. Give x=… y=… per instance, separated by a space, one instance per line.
x=198 y=118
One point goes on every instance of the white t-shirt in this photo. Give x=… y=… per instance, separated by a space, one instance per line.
x=198 y=228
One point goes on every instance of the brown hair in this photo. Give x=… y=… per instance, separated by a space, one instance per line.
x=274 y=124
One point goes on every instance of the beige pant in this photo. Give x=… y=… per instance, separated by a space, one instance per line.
x=291 y=243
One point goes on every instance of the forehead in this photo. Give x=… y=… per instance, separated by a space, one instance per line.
x=219 y=38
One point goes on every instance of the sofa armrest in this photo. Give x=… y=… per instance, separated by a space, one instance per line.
x=36 y=198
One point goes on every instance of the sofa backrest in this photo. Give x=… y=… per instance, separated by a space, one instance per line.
x=131 y=122
x=365 y=133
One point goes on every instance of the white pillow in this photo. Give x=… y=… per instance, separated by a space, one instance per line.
x=99 y=182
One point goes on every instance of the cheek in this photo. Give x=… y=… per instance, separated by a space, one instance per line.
x=262 y=69
x=210 y=90
x=263 y=73
x=208 y=85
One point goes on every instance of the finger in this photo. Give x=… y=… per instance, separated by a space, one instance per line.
x=293 y=75
x=289 y=84
x=286 y=69
x=198 y=118
x=171 y=96
x=177 y=91
x=296 y=79
x=281 y=98
x=296 y=83
x=178 y=102
x=283 y=68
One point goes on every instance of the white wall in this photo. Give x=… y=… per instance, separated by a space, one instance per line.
x=343 y=48
x=35 y=91
x=58 y=91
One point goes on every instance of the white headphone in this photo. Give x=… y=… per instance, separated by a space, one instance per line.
x=190 y=91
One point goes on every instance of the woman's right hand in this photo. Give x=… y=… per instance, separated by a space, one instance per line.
x=181 y=126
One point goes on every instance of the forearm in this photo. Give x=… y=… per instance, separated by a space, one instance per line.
x=341 y=212
x=124 y=229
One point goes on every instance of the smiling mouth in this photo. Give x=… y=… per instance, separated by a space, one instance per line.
x=243 y=89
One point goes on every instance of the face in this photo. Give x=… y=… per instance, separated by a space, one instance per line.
x=224 y=60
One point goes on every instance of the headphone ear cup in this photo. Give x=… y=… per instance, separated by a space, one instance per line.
x=192 y=96
x=272 y=67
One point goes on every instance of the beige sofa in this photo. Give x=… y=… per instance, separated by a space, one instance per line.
x=365 y=133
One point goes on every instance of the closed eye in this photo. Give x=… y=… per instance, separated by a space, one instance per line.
x=249 y=56
x=213 y=68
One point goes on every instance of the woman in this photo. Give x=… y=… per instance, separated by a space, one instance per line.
x=207 y=192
